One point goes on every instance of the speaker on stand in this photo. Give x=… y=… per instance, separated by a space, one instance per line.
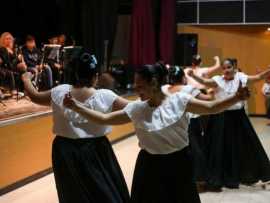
x=186 y=46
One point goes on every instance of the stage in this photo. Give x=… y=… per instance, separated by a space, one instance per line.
x=26 y=138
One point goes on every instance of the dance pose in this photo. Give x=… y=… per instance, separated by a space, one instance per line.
x=235 y=154
x=178 y=82
x=205 y=72
x=163 y=171
x=84 y=164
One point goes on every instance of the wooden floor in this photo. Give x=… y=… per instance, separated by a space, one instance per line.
x=43 y=190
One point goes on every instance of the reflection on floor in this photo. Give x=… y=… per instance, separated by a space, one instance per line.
x=43 y=190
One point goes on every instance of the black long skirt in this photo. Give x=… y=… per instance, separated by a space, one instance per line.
x=164 y=179
x=87 y=171
x=235 y=154
x=198 y=148
x=267 y=104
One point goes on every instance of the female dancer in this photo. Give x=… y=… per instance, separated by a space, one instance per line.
x=177 y=80
x=235 y=154
x=163 y=171
x=85 y=167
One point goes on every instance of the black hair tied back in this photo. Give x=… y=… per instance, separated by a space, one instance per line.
x=156 y=72
x=176 y=74
x=84 y=68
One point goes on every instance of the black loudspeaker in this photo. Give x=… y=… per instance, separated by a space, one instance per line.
x=186 y=46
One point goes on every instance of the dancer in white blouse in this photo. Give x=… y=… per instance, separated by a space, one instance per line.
x=177 y=80
x=266 y=93
x=85 y=167
x=163 y=170
x=235 y=154
x=205 y=72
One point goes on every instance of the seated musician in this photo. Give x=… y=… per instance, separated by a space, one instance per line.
x=33 y=59
x=54 y=61
x=12 y=66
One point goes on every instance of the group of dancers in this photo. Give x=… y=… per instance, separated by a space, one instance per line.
x=179 y=147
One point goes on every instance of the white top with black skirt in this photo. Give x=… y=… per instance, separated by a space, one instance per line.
x=228 y=88
x=162 y=129
x=70 y=124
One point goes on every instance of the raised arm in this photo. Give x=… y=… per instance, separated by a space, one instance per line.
x=42 y=98
x=113 y=118
x=259 y=76
x=212 y=107
x=205 y=81
x=215 y=67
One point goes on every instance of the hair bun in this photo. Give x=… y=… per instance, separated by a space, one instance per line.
x=89 y=60
x=161 y=68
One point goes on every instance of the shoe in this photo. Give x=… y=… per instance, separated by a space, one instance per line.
x=201 y=187
x=210 y=188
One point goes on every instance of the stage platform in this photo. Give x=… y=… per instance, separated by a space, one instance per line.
x=25 y=142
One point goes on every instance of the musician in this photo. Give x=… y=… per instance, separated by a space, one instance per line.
x=33 y=59
x=54 y=61
x=62 y=39
x=12 y=66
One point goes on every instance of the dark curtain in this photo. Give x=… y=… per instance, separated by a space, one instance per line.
x=89 y=22
x=142 y=48
x=92 y=23
x=38 y=18
x=167 y=31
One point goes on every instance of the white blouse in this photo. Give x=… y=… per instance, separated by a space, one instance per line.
x=228 y=88
x=163 y=129
x=185 y=88
x=266 y=89
x=188 y=89
x=70 y=124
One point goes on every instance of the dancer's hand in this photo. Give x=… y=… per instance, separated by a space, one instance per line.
x=69 y=101
x=242 y=93
x=216 y=58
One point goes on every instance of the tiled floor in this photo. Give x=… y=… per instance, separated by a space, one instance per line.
x=43 y=190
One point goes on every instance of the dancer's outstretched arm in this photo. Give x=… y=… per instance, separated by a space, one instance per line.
x=205 y=81
x=42 y=98
x=259 y=76
x=113 y=118
x=215 y=67
x=212 y=107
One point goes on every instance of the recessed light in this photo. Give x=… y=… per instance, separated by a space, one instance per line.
x=268 y=29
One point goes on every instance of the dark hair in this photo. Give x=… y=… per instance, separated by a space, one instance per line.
x=156 y=71
x=176 y=74
x=29 y=38
x=84 y=69
x=196 y=60
x=228 y=61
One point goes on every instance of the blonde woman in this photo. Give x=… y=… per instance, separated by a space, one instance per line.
x=12 y=65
